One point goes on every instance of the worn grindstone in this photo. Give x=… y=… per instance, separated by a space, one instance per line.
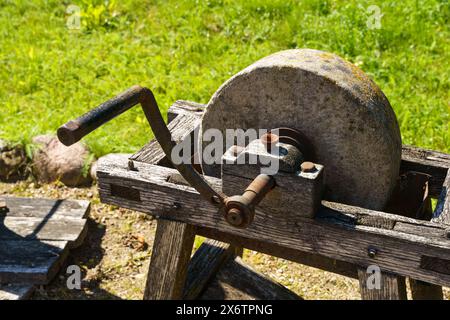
x=349 y=121
x=13 y=162
x=54 y=161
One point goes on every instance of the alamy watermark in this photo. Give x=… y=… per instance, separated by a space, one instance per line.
x=74 y=279
x=217 y=143
x=374 y=17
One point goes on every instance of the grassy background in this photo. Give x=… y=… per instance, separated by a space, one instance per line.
x=186 y=49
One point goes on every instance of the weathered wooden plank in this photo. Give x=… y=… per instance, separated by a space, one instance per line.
x=425 y=291
x=205 y=263
x=16 y=291
x=434 y=163
x=307 y=258
x=181 y=127
x=169 y=262
x=338 y=232
x=442 y=212
x=30 y=228
x=23 y=261
x=391 y=286
x=39 y=208
x=237 y=280
x=183 y=107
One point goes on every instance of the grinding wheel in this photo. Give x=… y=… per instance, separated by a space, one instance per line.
x=348 y=120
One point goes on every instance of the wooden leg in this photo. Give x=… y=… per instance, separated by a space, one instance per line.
x=170 y=258
x=204 y=265
x=391 y=287
x=425 y=291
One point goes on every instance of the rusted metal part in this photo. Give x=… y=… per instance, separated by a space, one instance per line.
x=240 y=209
x=307 y=166
x=298 y=140
x=76 y=129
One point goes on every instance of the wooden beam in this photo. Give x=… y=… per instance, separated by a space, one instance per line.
x=339 y=232
x=434 y=163
x=390 y=287
x=237 y=280
x=170 y=257
x=204 y=265
x=442 y=212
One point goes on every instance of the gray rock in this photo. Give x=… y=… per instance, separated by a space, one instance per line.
x=13 y=162
x=54 y=161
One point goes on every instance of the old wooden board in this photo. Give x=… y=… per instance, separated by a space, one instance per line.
x=36 y=235
x=442 y=212
x=15 y=291
x=205 y=263
x=339 y=232
x=170 y=257
x=389 y=286
x=237 y=280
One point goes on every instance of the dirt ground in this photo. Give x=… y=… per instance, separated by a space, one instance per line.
x=115 y=255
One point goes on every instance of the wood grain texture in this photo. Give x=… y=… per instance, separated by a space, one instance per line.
x=170 y=257
x=434 y=163
x=338 y=232
x=34 y=262
x=442 y=212
x=40 y=208
x=16 y=291
x=36 y=235
x=237 y=280
x=392 y=287
x=181 y=127
x=29 y=228
x=205 y=263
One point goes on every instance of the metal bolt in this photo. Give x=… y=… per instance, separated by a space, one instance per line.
x=215 y=199
x=176 y=206
x=307 y=167
x=3 y=207
x=131 y=166
x=372 y=252
x=234 y=217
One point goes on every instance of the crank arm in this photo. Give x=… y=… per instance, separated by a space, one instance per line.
x=74 y=130
x=238 y=210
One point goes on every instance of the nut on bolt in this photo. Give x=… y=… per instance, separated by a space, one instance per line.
x=308 y=166
x=372 y=252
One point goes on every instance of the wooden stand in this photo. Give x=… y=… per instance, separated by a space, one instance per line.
x=342 y=239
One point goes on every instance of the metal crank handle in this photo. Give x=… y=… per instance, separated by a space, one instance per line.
x=74 y=130
x=240 y=209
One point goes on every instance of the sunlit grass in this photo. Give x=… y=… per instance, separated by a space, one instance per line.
x=186 y=49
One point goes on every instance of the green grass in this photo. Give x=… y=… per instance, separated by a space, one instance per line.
x=186 y=49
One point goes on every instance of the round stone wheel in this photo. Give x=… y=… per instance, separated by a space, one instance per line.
x=346 y=117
